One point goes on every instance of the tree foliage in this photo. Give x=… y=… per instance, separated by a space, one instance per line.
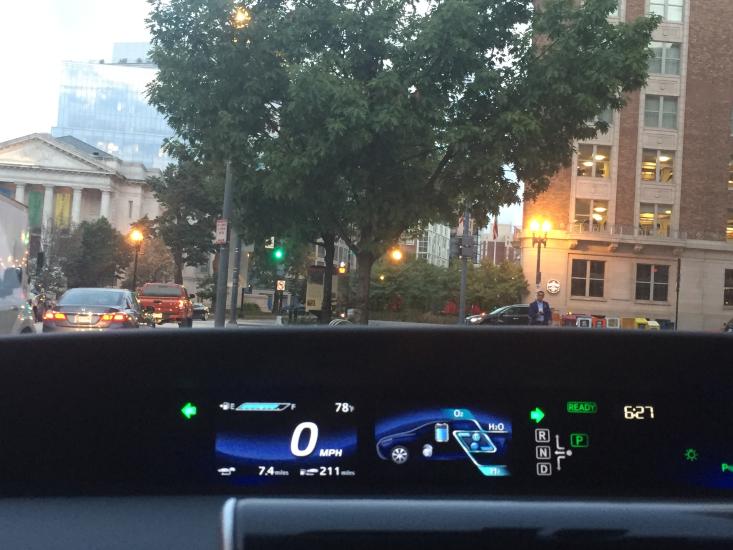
x=419 y=286
x=190 y=197
x=374 y=116
x=94 y=254
x=155 y=264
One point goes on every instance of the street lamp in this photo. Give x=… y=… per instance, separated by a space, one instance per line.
x=395 y=255
x=539 y=240
x=136 y=237
x=241 y=17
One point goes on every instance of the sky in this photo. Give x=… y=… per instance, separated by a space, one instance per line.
x=37 y=36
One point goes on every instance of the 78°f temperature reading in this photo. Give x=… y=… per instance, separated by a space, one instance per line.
x=344 y=407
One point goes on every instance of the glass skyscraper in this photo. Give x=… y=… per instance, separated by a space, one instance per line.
x=105 y=105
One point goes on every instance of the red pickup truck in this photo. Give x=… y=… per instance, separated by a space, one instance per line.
x=167 y=303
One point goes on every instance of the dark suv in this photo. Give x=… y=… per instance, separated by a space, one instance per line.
x=516 y=314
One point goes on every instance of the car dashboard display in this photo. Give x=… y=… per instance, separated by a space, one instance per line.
x=442 y=413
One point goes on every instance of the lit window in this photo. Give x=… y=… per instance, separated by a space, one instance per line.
x=729 y=226
x=652 y=282
x=594 y=161
x=730 y=174
x=587 y=278
x=660 y=112
x=590 y=215
x=670 y=10
x=728 y=288
x=655 y=219
x=666 y=58
x=657 y=166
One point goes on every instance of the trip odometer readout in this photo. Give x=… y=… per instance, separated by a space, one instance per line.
x=262 y=442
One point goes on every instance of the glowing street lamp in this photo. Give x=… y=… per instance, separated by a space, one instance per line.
x=241 y=17
x=395 y=255
x=136 y=238
x=540 y=240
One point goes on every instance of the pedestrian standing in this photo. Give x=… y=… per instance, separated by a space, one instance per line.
x=539 y=311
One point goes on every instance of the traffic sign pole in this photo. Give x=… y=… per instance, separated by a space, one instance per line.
x=221 y=280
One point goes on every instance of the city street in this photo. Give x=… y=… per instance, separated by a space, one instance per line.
x=265 y=323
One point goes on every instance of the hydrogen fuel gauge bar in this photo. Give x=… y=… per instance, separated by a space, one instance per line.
x=254 y=406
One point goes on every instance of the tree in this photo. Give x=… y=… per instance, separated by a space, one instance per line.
x=155 y=264
x=420 y=286
x=404 y=115
x=94 y=254
x=490 y=286
x=190 y=199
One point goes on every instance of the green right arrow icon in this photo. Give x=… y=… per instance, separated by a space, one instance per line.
x=537 y=415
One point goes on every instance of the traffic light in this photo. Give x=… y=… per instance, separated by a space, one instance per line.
x=343 y=268
x=278 y=253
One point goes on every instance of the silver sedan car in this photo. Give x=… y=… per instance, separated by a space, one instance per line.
x=93 y=309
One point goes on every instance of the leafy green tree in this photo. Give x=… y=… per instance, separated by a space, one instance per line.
x=404 y=114
x=94 y=254
x=190 y=197
x=155 y=263
x=490 y=286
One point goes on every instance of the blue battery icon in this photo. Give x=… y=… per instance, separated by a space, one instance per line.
x=441 y=432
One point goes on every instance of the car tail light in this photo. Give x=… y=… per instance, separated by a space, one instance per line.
x=54 y=316
x=115 y=317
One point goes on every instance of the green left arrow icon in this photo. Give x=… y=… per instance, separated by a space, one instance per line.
x=189 y=410
x=537 y=415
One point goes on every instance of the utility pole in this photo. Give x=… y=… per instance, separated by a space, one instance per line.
x=464 y=265
x=677 y=300
x=235 y=278
x=221 y=282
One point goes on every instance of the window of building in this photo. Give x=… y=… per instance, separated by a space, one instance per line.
x=614 y=13
x=728 y=288
x=655 y=219
x=129 y=209
x=587 y=278
x=730 y=174
x=660 y=112
x=652 y=282
x=657 y=166
x=666 y=59
x=590 y=214
x=670 y=10
x=729 y=226
x=594 y=161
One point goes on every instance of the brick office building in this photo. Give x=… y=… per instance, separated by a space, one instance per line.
x=655 y=192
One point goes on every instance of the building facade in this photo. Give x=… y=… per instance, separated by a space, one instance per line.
x=651 y=202
x=105 y=105
x=64 y=182
x=499 y=249
x=431 y=245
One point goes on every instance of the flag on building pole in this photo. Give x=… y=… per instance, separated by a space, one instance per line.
x=496 y=228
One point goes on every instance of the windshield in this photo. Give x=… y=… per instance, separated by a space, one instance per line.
x=92 y=297
x=161 y=291
x=417 y=172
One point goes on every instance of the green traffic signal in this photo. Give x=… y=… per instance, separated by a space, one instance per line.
x=278 y=253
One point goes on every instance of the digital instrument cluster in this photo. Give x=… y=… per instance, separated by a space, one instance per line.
x=550 y=444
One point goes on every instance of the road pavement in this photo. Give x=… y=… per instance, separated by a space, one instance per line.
x=265 y=323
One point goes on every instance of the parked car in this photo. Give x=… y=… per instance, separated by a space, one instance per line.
x=170 y=303
x=728 y=327
x=93 y=309
x=516 y=314
x=200 y=311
